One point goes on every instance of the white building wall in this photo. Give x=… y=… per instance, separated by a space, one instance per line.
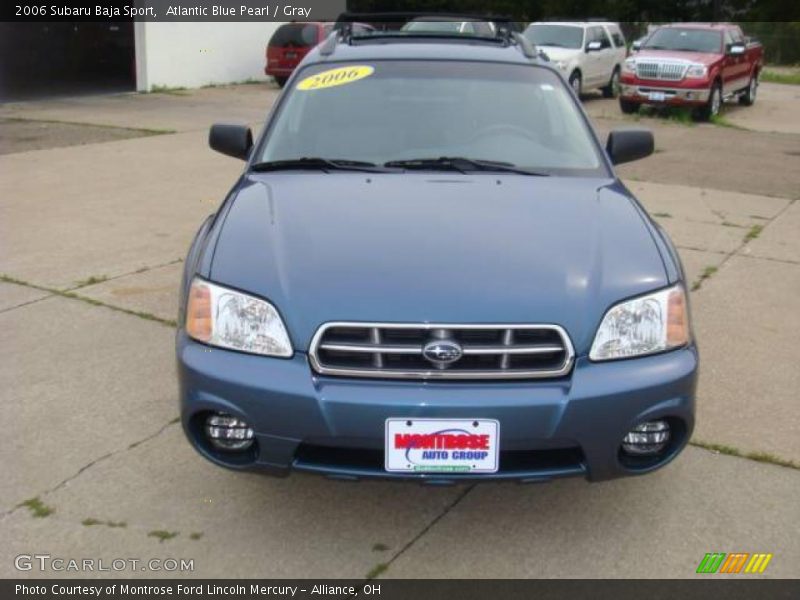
x=198 y=54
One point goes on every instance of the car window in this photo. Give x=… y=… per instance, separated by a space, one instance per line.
x=484 y=28
x=599 y=35
x=294 y=34
x=434 y=26
x=687 y=40
x=559 y=36
x=728 y=40
x=402 y=110
x=736 y=35
x=617 y=37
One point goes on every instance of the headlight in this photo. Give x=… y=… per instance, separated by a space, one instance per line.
x=560 y=64
x=645 y=325
x=221 y=317
x=697 y=71
x=629 y=66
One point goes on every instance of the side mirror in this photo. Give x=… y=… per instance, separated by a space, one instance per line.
x=737 y=49
x=636 y=46
x=232 y=140
x=626 y=145
x=594 y=46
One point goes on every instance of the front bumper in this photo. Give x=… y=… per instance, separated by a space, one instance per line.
x=673 y=96
x=334 y=426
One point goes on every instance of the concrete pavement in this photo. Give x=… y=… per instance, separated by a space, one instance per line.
x=178 y=110
x=658 y=527
x=761 y=161
x=109 y=209
x=91 y=391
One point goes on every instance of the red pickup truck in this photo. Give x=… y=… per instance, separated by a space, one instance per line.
x=699 y=65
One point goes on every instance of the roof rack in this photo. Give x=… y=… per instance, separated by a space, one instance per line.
x=406 y=16
x=507 y=30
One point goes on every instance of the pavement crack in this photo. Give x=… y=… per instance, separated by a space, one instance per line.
x=785 y=261
x=753 y=233
x=94 y=462
x=144 y=131
x=755 y=456
x=698 y=249
x=10 y=308
x=86 y=299
x=105 y=279
x=384 y=566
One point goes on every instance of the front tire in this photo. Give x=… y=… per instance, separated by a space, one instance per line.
x=628 y=107
x=714 y=104
x=281 y=81
x=612 y=89
x=576 y=83
x=748 y=98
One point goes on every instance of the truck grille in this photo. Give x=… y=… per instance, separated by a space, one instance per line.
x=431 y=351
x=666 y=71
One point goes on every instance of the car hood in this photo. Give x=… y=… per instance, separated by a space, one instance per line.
x=436 y=248
x=703 y=58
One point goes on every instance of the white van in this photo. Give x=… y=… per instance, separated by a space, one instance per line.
x=589 y=54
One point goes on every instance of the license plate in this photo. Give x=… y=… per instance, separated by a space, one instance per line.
x=290 y=55
x=657 y=96
x=442 y=445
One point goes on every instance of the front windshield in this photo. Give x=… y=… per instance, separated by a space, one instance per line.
x=686 y=40
x=403 y=110
x=561 y=36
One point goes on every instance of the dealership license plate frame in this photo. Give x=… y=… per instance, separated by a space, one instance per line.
x=396 y=460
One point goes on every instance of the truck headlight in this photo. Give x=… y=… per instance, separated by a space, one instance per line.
x=629 y=66
x=653 y=323
x=697 y=70
x=561 y=64
x=221 y=317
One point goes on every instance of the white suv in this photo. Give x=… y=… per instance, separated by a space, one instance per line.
x=590 y=55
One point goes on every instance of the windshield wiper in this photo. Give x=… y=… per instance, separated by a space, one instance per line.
x=324 y=164
x=461 y=164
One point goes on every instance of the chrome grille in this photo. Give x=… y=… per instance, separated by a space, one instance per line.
x=666 y=71
x=404 y=351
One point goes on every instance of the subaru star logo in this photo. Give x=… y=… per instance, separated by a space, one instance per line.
x=442 y=352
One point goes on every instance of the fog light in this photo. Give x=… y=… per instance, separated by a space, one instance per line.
x=227 y=432
x=647 y=438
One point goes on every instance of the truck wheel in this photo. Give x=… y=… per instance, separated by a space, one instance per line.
x=628 y=107
x=281 y=81
x=575 y=83
x=612 y=89
x=713 y=106
x=748 y=98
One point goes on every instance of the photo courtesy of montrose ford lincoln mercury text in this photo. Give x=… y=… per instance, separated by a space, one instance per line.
x=429 y=270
